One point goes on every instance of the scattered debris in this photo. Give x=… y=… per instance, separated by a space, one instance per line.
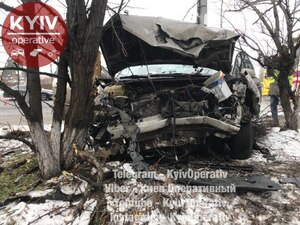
x=167 y=207
x=49 y=213
x=249 y=183
x=291 y=180
x=223 y=166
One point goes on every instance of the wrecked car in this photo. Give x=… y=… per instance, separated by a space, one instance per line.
x=172 y=90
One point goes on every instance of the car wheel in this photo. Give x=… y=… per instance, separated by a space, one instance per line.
x=241 y=144
x=44 y=97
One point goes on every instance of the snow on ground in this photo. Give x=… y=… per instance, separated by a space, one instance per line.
x=191 y=208
x=7 y=128
x=48 y=213
x=15 y=146
x=285 y=145
x=51 y=211
x=141 y=203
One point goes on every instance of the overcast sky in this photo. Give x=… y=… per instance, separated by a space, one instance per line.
x=173 y=9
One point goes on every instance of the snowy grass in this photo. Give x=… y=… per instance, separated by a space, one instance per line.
x=187 y=208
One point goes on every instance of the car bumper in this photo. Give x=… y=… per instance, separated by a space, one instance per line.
x=157 y=122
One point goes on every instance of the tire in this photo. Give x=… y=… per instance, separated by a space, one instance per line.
x=44 y=97
x=241 y=145
x=216 y=145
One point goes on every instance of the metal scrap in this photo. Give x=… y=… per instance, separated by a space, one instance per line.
x=132 y=130
x=290 y=180
x=224 y=166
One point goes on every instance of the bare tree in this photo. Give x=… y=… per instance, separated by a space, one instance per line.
x=84 y=23
x=278 y=24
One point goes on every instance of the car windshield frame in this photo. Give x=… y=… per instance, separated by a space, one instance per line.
x=164 y=70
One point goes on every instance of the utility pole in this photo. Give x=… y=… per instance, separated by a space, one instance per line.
x=202 y=12
x=222 y=14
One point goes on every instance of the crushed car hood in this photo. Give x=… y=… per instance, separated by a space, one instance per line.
x=135 y=40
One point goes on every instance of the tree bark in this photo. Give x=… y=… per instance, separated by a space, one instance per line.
x=84 y=31
x=80 y=110
x=84 y=42
x=59 y=102
x=285 y=94
x=48 y=164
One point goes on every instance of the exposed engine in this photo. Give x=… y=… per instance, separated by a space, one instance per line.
x=136 y=115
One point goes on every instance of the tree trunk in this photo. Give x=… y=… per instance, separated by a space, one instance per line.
x=84 y=42
x=80 y=110
x=286 y=94
x=48 y=164
x=59 y=102
x=72 y=136
x=84 y=31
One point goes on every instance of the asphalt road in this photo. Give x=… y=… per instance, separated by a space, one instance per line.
x=9 y=113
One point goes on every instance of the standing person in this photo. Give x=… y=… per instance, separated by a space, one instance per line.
x=272 y=74
x=274 y=93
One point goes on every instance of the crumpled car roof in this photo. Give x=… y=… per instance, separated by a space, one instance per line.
x=137 y=40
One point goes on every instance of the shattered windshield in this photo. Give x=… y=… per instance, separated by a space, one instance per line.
x=164 y=69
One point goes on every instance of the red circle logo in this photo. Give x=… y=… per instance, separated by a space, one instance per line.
x=34 y=34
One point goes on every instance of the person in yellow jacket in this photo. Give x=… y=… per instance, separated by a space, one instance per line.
x=274 y=93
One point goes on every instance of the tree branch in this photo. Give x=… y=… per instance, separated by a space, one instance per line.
x=263 y=15
x=289 y=24
x=121 y=5
x=244 y=36
x=251 y=57
x=275 y=13
x=19 y=98
x=30 y=70
x=14 y=137
x=109 y=8
x=6 y=7
x=187 y=12
x=93 y=160
x=265 y=22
